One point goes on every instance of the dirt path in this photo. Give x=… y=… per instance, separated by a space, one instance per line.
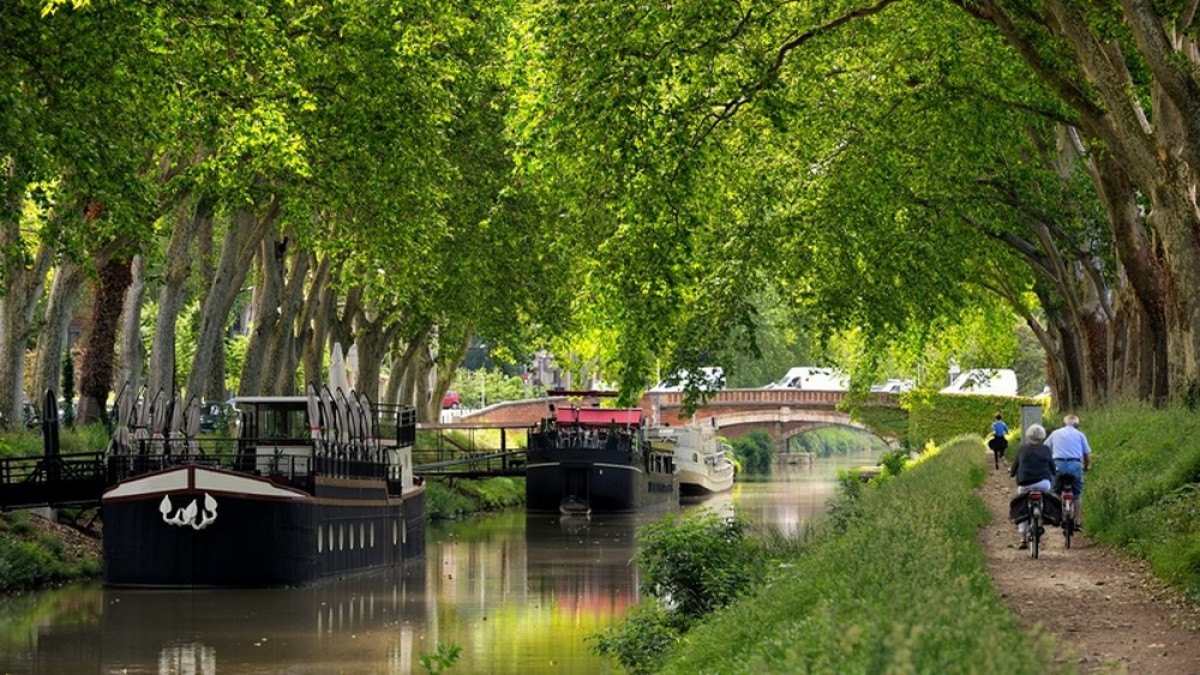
x=1108 y=614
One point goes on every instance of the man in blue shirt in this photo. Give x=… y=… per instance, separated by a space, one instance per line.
x=1072 y=455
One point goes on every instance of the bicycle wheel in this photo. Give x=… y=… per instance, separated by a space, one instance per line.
x=1068 y=522
x=1035 y=530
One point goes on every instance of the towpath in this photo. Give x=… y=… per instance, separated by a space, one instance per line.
x=1107 y=612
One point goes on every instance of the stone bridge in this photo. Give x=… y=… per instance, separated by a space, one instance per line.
x=782 y=413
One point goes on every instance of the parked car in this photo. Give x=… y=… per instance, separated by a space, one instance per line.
x=984 y=381
x=893 y=386
x=212 y=414
x=450 y=400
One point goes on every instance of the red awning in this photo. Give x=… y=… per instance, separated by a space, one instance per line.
x=599 y=417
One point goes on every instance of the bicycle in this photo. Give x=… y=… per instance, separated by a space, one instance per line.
x=1065 y=484
x=1035 y=522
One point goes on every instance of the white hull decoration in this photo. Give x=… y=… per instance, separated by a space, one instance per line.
x=701 y=459
x=308 y=490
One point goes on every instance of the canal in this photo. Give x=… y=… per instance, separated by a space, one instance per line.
x=518 y=594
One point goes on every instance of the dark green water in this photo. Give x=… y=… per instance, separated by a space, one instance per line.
x=518 y=594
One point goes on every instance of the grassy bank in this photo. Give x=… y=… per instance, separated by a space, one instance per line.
x=35 y=554
x=1143 y=492
x=894 y=582
x=450 y=499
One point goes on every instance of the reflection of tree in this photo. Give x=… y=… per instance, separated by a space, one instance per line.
x=24 y=614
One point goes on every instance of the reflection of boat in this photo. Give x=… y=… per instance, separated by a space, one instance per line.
x=317 y=629
x=584 y=564
x=310 y=492
x=598 y=457
x=703 y=466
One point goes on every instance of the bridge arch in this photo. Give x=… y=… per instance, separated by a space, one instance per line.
x=785 y=423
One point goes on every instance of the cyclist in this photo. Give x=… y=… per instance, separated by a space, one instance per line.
x=999 y=441
x=1072 y=455
x=1033 y=468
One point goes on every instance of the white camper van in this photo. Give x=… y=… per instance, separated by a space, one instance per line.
x=813 y=379
x=984 y=381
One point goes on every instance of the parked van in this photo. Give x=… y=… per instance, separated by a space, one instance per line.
x=812 y=379
x=984 y=381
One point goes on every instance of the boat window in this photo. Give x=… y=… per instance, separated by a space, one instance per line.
x=395 y=534
x=283 y=423
x=341 y=538
x=372 y=535
x=351 y=528
x=320 y=538
x=362 y=535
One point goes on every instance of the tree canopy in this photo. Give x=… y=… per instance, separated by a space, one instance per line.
x=652 y=187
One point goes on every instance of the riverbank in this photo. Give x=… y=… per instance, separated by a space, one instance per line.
x=921 y=574
x=891 y=581
x=36 y=553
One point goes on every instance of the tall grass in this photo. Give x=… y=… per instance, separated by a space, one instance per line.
x=1143 y=491
x=898 y=586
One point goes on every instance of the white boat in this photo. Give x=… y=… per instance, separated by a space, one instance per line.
x=701 y=458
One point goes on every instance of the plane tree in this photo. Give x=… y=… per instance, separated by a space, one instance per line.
x=888 y=164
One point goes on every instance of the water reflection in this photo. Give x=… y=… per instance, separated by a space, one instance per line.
x=518 y=593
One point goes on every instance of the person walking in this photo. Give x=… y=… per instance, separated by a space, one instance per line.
x=1033 y=469
x=1072 y=455
x=999 y=440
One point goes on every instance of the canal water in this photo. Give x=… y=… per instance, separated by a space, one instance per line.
x=518 y=593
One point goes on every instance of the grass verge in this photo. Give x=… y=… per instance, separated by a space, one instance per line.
x=897 y=583
x=1143 y=492
x=451 y=499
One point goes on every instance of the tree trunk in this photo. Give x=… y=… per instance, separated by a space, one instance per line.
x=96 y=373
x=313 y=323
x=133 y=352
x=23 y=287
x=291 y=332
x=52 y=339
x=172 y=294
x=374 y=337
x=266 y=316
x=241 y=242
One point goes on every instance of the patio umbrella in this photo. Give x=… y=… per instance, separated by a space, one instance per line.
x=337 y=370
x=158 y=419
x=191 y=424
x=328 y=423
x=119 y=444
x=352 y=367
x=342 y=414
x=175 y=433
x=368 y=417
x=314 y=419
x=141 y=423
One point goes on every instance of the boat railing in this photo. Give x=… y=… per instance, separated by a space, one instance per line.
x=291 y=458
x=397 y=422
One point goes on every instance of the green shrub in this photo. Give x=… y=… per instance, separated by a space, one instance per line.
x=639 y=643
x=894 y=462
x=23 y=564
x=754 y=452
x=697 y=562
